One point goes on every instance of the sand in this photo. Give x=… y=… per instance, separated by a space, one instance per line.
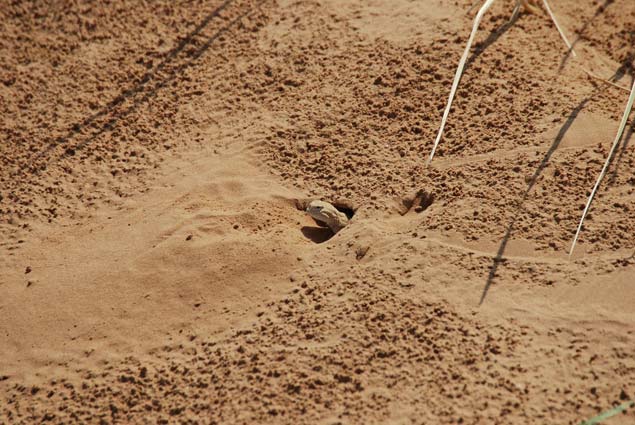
x=156 y=264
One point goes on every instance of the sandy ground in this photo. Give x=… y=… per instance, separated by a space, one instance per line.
x=156 y=265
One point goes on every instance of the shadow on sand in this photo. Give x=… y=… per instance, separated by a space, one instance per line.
x=499 y=258
x=177 y=60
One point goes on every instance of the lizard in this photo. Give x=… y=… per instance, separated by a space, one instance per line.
x=328 y=214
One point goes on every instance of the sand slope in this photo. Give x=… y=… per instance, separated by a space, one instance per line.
x=156 y=265
x=204 y=248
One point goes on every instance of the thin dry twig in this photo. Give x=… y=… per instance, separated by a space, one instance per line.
x=573 y=53
x=466 y=52
x=618 y=137
x=555 y=22
x=605 y=80
x=459 y=73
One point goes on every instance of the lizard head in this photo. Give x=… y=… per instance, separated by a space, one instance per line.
x=315 y=209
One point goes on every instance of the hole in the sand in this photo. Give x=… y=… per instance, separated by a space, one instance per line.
x=322 y=233
x=346 y=208
x=317 y=234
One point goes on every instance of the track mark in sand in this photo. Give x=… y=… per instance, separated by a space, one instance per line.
x=492 y=254
x=418 y=202
x=443 y=164
x=553 y=259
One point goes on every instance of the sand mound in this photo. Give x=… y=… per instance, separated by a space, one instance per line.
x=157 y=264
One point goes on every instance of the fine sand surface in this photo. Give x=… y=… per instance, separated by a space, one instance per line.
x=156 y=265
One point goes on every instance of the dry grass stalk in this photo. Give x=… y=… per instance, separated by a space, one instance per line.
x=555 y=22
x=459 y=73
x=531 y=6
x=618 y=137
